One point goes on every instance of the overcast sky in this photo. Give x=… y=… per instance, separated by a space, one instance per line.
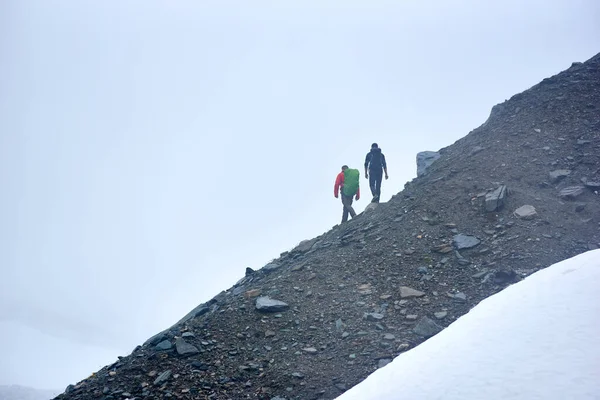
x=151 y=150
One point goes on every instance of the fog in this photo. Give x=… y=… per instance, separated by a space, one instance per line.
x=151 y=150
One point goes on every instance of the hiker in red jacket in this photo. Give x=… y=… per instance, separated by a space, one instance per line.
x=347 y=182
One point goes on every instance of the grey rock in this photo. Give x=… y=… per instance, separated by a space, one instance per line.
x=305 y=245
x=164 y=345
x=309 y=350
x=525 y=212
x=159 y=337
x=339 y=324
x=266 y=304
x=571 y=192
x=162 y=378
x=495 y=200
x=271 y=266
x=505 y=276
x=462 y=241
x=389 y=336
x=383 y=362
x=195 y=313
x=441 y=314
x=371 y=207
x=594 y=185
x=187 y=335
x=426 y=327
x=476 y=150
x=422 y=270
x=373 y=316
x=184 y=348
x=406 y=292
x=424 y=161
x=298 y=375
x=460 y=297
x=559 y=174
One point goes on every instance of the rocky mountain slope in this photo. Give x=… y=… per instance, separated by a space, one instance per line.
x=515 y=195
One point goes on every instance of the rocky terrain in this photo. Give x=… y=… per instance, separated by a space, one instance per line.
x=515 y=195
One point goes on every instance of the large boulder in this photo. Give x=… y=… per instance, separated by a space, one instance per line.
x=424 y=160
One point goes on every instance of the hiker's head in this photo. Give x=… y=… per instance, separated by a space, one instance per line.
x=374 y=146
x=344 y=167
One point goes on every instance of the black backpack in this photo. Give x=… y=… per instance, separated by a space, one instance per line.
x=376 y=161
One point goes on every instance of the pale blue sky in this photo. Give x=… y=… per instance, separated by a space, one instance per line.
x=151 y=150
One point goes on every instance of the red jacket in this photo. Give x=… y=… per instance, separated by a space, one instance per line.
x=339 y=183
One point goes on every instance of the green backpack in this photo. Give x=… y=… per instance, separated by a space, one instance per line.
x=351 y=180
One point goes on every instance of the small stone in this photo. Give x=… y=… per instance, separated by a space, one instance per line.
x=185 y=349
x=298 y=375
x=310 y=350
x=525 y=212
x=162 y=378
x=373 y=316
x=559 y=174
x=252 y=293
x=164 y=345
x=594 y=185
x=269 y=334
x=571 y=192
x=412 y=317
x=460 y=296
x=426 y=327
x=403 y=347
x=342 y=386
x=266 y=304
x=441 y=314
x=443 y=248
x=389 y=336
x=187 y=335
x=422 y=270
x=383 y=362
x=406 y=292
x=462 y=241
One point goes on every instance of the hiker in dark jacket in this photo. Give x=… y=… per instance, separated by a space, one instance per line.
x=347 y=182
x=375 y=166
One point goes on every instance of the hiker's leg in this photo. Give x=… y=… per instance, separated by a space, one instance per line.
x=345 y=212
x=372 y=182
x=378 y=177
x=349 y=206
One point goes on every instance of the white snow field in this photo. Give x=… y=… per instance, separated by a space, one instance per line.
x=537 y=339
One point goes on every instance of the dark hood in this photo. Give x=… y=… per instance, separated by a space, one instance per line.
x=375 y=151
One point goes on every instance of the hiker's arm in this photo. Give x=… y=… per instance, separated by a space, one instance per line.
x=358 y=194
x=339 y=181
x=367 y=160
x=384 y=165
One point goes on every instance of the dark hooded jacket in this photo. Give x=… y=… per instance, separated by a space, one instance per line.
x=375 y=160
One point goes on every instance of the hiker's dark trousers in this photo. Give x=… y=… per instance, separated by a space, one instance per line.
x=375 y=176
x=347 y=202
